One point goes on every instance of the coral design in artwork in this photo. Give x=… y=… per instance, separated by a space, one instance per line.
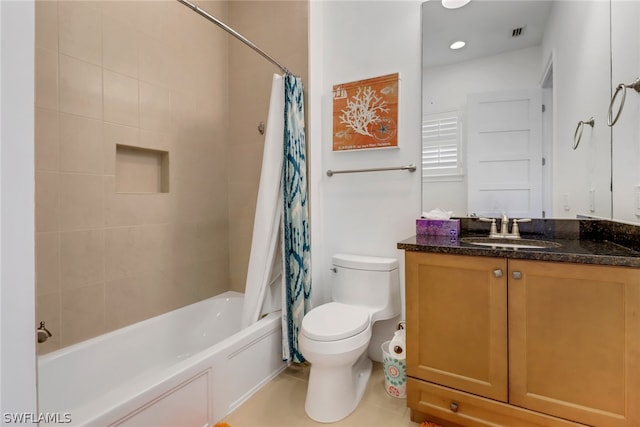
x=365 y=113
x=362 y=111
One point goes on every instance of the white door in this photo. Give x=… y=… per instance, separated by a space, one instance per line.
x=504 y=153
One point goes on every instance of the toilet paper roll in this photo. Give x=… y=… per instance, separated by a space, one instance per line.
x=397 y=345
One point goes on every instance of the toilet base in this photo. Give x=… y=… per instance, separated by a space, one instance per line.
x=335 y=392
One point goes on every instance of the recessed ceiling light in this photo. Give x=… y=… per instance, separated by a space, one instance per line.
x=454 y=4
x=457 y=45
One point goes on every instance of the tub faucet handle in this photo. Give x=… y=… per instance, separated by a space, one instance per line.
x=43 y=333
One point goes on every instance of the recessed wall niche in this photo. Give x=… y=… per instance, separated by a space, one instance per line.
x=141 y=170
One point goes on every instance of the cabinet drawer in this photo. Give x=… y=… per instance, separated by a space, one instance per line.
x=473 y=411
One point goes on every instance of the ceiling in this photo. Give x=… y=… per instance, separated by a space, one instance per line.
x=485 y=25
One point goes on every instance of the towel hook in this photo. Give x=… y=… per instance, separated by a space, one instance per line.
x=621 y=87
x=577 y=135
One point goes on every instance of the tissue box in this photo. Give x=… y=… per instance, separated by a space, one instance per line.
x=438 y=227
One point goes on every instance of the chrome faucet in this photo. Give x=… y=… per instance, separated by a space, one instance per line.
x=504 y=227
x=43 y=333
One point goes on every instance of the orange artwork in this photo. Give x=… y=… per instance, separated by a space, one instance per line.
x=365 y=114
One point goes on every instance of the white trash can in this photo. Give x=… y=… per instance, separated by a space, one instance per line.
x=395 y=373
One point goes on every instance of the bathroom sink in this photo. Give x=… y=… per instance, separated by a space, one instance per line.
x=497 y=242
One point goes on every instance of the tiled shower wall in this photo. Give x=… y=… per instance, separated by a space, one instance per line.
x=152 y=75
x=281 y=29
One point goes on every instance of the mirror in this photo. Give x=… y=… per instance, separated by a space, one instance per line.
x=501 y=116
x=625 y=68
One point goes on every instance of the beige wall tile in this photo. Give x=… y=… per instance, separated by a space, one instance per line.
x=179 y=72
x=47 y=196
x=81 y=201
x=245 y=162
x=47 y=145
x=82 y=314
x=155 y=107
x=80 y=88
x=152 y=18
x=120 y=209
x=199 y=206
x=47 y=24
x=46 y=78
x=163 y=141
x=120 y=99
x=47 y=262
x=183 y=107
x=125 y=12
x=116 y=134
x=195 y=242
x=153 y=61
x=80 y=30
x=133 y=299
x=243 y=195
x=80 y=144
x=119 y=47
x=136 y=209
x=81 y=258
x=121 y=252
x=139 y=249
x=48 y=311
x=197 y=281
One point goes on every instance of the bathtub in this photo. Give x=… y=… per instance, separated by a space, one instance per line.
x=188 y=367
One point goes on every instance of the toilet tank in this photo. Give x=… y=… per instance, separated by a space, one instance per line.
x=367 y=281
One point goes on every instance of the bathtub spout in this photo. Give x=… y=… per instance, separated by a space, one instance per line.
x=43 y=333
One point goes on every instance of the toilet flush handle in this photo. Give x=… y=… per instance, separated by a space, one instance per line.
x=335 y=270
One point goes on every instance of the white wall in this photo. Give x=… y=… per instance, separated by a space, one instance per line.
x=364 y=213
x=17 y=287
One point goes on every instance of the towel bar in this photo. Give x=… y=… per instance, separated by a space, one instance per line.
x=410 y=168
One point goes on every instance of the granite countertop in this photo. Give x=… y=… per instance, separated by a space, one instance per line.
x=589 y=244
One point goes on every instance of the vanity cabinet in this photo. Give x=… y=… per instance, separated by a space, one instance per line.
x=503 y=342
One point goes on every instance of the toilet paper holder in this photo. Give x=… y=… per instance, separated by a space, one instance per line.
x=397 y=343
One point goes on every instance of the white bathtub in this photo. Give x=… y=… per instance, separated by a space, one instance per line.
x=188 y=367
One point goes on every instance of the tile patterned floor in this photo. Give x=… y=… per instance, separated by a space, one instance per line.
x=280 y=403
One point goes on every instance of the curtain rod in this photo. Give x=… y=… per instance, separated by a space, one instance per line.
x=235 y=34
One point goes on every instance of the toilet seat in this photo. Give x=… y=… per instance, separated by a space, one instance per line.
x=334 y=321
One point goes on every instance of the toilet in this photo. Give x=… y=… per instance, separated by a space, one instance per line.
x=334 y=337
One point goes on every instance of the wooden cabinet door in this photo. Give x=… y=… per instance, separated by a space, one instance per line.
x=457 y=322
x=574 y=349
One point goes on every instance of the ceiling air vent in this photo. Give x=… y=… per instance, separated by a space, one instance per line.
x=516 y=32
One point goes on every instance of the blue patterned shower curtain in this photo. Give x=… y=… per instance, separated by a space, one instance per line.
x=295 y=220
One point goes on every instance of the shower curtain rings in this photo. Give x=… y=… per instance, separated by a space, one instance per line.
x=621 y=87
x=577 y=135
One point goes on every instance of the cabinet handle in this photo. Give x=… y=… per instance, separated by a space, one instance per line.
x=454 y=406
x=517 y=275
x=497 y=272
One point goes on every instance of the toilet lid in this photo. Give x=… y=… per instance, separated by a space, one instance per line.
x=334 y=321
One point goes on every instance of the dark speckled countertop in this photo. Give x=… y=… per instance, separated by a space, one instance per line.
x=582 y=241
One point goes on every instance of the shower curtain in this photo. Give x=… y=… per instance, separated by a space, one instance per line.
x=264 y=275
x=296 y=243
x=282 y=217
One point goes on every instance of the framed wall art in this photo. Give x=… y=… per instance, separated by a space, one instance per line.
x=365 y=114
